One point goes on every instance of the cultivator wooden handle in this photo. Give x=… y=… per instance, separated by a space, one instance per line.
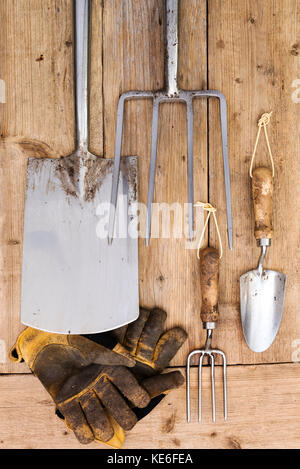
x=209 y=278
x=262 y=191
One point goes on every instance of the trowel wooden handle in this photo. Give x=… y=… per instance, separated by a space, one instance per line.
x=209 y=278
x=262 y=191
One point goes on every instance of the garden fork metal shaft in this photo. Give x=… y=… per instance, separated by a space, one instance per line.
x=209 y=274
x=171 y=94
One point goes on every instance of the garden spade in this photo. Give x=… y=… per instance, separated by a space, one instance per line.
x=261 y=290
x=73 y=281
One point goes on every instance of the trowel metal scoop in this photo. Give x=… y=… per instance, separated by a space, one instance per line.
x=73 y=281
x=261 y=290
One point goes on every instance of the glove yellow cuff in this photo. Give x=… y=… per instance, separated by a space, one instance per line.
x=31 y=342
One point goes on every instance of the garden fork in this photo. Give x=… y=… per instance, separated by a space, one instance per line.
x=209 y=275
x=171 y=94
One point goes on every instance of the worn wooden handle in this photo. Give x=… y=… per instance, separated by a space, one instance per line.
x=262 y=191
x=209 y=278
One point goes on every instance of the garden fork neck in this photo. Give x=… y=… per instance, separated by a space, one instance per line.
x=207 y=347
x=172 y=48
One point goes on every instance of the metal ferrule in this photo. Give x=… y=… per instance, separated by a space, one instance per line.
x=264 y=242
x=209 y=325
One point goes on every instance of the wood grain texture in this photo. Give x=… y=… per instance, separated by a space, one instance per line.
x=253 y=59
x=264 y=412
x=133 y=59
x=37 y=67
x=36 y=120
x=12 y=180
x=96 y=80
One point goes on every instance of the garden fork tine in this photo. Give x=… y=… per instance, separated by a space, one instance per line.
x=171 y=94
x=209 y=272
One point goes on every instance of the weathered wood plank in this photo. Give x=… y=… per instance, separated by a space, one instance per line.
x=264 y=412
x=37 y=119
x=96 y=77
x=254 y=59
x=37 y=67
x=126 y=28
x=133 y=58
x=12 y=178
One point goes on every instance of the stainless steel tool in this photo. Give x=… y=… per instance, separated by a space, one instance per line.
x=72 y=281
x=171 y=94
x=262 y=291
x=209 y=277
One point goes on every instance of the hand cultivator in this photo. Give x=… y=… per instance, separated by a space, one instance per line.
x=209 y=274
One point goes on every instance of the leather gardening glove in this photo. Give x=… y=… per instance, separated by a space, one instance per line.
x=152 y=349
x=86 y=381
x=148 y=344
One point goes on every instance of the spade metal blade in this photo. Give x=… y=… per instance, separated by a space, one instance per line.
x=262 y=299
x=73 y=281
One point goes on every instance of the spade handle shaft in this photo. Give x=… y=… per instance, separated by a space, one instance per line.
x=81 y=71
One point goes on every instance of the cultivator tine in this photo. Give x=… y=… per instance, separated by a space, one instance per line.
x=188 y=402
x=224 y=389
x=202 y=353
x=200 y=388
x=212 y=377
x=152 y=167
x=224 y=364
x=188 y=405
x=224 y=384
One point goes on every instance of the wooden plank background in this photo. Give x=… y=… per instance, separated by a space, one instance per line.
x=249 y=50
x=253 y=58
x=264 y=412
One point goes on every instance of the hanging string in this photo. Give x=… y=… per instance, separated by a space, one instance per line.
x=263 y=122
x=211 y=210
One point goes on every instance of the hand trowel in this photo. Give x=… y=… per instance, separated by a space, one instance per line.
x=73 y=281
x=261 y=290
